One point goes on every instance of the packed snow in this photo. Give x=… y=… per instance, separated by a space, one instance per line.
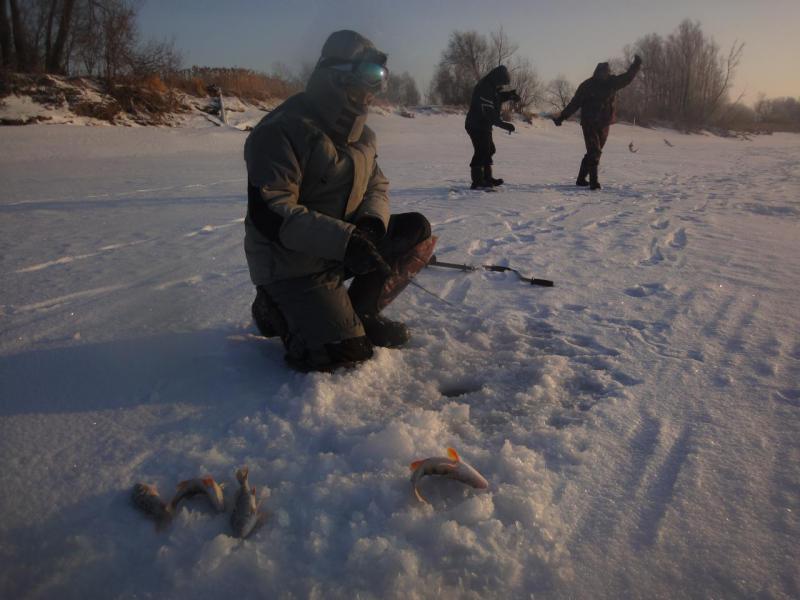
x=638 y=423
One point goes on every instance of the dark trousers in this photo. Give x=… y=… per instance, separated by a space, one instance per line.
x=594 y=136
x=483 y=147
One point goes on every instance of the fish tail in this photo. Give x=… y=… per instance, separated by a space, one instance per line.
x=241 y=474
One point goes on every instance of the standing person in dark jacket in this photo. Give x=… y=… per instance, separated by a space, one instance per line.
x=318 y=214
x=484 y=113
x=596 y=97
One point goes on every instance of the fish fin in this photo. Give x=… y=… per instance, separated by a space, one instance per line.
x=416 y=464
x=419 y=496
x=451 y=452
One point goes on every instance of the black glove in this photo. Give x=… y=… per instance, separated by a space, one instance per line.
x=558 y=121
x=637 y=60
x=515 y=97
x=509 y=127
x=372 y=227
x=362 y=257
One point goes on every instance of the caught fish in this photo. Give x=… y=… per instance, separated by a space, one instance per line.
x=246 y=516
x=451 y=467
x=203 y=485
x=145 y=497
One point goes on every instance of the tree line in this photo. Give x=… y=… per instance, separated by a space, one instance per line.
x=685 y=81
x=100 y=38
x=81 y=37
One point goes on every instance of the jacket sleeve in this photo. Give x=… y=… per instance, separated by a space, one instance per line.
x=275 y=167
x=620 y=81
x=506 y=96
x=575 y=103
x=376 y=198
x=490 y=105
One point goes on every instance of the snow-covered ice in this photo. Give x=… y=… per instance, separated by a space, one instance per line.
x=639 y=423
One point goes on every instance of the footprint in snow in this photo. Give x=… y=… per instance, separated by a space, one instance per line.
x=482 y=247
x=644 y=290
x=456 y=291
x=678 y=238
x=456 y=388
x=655 y=255
x=660 y=224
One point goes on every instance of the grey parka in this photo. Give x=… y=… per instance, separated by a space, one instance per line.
x=305 y=193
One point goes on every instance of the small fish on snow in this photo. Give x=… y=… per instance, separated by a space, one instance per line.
x=246 y=516
x=145 y=497
x=450 y=466
x=203 y=485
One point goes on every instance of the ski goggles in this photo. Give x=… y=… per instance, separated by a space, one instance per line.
x=359 y=73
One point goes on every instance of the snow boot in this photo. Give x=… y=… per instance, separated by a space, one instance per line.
x=384 y=332
x=487 y=176
x=594 y=184
x=478 y=180
x=584 y=171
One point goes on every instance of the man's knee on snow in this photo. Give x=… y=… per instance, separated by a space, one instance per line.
x=267 y=316
x=406 y=230
x=330 y=356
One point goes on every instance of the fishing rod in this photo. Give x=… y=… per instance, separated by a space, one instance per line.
x=433 y=262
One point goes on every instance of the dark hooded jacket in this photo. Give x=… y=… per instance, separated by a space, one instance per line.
x=484 y=109
x=597 y=97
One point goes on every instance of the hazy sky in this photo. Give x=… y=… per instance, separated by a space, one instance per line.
x=566 y=37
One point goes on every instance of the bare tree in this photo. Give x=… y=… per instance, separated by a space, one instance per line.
x=469 y=56
x=119 y=34
x=88 y=45
x=685 y=78
x=779 y=114
x=5 y=36
x=402 y=90
x=468 y=51
x=525 y=80
x=501 y=47
x=559 y=92
x=55 y=61
x=156 y=58
x=462 y=64
x=22 y=50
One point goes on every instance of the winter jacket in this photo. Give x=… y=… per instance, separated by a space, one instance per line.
x=484 y=109
x=305 y=193
x=597 y=97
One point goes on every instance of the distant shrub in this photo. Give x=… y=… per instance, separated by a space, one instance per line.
x=104 y=111
x=153 y=83
x=244 y=83
x=147 y=100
